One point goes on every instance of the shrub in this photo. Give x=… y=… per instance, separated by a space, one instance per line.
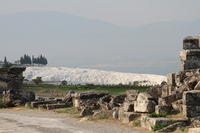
x=155 y=115
x=38 y=80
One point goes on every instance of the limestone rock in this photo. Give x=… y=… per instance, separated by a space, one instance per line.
x=129 y=116
x=128 y=107
x=86 y=111
x=163 y=109
x=144 y=104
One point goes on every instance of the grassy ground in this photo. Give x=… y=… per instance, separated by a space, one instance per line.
x=59 y=90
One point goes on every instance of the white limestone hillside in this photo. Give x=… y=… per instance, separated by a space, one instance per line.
x=90 y=76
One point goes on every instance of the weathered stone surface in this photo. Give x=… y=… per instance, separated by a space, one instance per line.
x=116 y=114
x=191 y=42
x=194 y=130
x=171 y=79
x=17 y=97
x=155 y=91
x=191 y=111
x=129 y=116
x=88 y=99
x=128 y=107
x=36 y=104
x=144 y=104
x=117 y=101
x=149 y=123
x=131 y=95
x=68 y=99
x=170 y=99
x=190 y=59
x=86 y=111
x=11 y=78
x=56 y=106
x=178 y=105
x=163 y=109
x=191 y=98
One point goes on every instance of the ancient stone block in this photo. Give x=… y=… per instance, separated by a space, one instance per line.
x=163 y=109
x=191 y=111
x=128 y=107
x=191 y=98
x=155 y=91
x=190 y=59
x=171 y=79
x=86 y=111
x=19 y=97
x=191 y=42
x=36 y=104
x=144 y=104
x=169 y=99
x=131 y=95
x=56 y=106
x=149 y=123
x=178 y=105
x=129 y=116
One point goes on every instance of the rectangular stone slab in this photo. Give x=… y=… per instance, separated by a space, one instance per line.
x=191 y=98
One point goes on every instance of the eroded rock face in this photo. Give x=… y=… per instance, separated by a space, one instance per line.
x=191 y=103
x=145 y=103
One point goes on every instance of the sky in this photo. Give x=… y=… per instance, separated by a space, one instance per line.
x=139 y=36
x=130 y=13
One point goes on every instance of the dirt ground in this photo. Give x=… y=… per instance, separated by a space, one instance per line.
x=36 y=121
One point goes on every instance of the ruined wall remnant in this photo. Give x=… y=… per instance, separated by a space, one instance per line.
x=11 y=78
x=190 y=56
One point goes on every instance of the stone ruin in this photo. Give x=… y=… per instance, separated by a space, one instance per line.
x=180 y=94
x=11 y=82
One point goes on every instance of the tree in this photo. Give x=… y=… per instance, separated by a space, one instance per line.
x=5 y=61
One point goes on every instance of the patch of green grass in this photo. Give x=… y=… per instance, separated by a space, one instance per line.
x=155 y=115
x=136 y=123
x=159 y=126
x=58 y=90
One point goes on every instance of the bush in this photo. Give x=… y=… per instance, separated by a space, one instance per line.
x=155 y=115
x=38 y=80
